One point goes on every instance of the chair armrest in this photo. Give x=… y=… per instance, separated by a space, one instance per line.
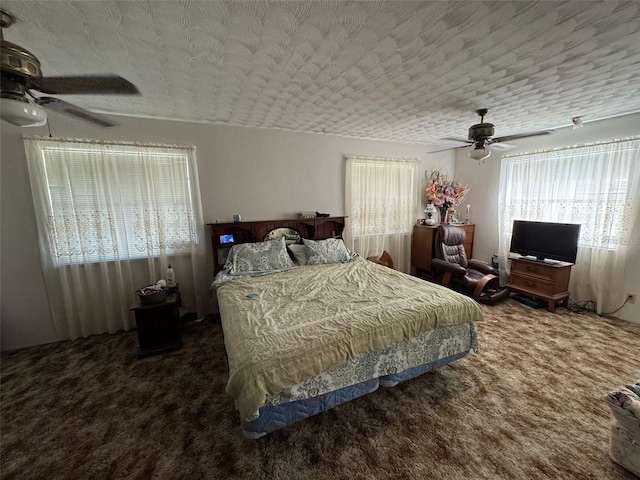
x=444 y=266
x=482 y=267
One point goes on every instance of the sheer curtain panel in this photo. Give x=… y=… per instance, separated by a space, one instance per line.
x=381 y=195
x=595 y=185
x=111 y=218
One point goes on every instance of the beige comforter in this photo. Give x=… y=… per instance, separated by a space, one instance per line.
x=283 y=328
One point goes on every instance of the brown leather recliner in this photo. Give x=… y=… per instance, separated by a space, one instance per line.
x=470 y=276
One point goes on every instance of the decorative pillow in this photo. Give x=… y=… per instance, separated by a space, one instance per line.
x=258 y=257
x=331 y=250
x=299 y=253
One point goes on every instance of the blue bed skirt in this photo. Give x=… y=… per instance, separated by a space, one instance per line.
x=274 y=417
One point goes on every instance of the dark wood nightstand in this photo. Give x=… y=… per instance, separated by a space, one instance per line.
x=158 y=326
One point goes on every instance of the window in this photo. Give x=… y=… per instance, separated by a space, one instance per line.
x=381 y=195
x=116 y=201
x=585 y=185
x=111 y=218
x=594 y=185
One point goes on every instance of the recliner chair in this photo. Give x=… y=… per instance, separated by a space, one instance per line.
x=470 y=276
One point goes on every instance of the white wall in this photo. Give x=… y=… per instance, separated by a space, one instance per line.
x=483 y=179
x=261 y=174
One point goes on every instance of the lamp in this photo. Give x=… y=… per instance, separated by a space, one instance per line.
x=431 y=214
x=22 y=112
x=480 y=151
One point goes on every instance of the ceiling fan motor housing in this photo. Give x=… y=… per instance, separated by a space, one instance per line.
x=19 y=62
x=481 y=131
x=15 y=60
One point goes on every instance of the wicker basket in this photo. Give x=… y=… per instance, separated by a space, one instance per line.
x=148 y=297
x=624 y=439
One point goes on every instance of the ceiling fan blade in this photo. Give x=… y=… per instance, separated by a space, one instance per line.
x=458 y=140
x=69 y=109
x=502 y=146
x=451 y=139
x=84 y=84
x=508 y=138
x=450 y=148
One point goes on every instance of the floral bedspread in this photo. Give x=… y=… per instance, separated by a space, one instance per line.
x=283 y=329
x=434 y=345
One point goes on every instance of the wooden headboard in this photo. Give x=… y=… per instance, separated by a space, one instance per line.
x=317 y=228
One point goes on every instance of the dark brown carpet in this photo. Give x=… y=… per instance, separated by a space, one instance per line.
x=529 y=406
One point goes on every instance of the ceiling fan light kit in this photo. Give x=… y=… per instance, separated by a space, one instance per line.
x=480 y=152
x=20 y=73
x=17 y=109
x=22 y=113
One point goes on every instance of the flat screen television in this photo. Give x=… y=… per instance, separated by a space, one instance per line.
x=545 y=240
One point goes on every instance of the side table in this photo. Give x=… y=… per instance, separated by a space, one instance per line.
x=158 y=326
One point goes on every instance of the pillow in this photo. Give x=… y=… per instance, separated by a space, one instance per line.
x=258 y=257
x=299 y=253
x=331 y=250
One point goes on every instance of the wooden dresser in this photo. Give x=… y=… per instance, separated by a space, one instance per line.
x=549 y=281
x=423 y=246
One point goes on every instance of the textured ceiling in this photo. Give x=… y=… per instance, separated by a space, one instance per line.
x=389 y=70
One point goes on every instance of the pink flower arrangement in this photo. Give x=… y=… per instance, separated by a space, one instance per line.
x=444 y=193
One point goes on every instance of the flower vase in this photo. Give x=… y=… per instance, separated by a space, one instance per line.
x=443 y=214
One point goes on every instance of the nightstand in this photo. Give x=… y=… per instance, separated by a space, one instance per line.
x=158 y=326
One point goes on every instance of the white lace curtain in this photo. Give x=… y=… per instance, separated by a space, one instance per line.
x=381 y=195
x=111 y=218
x=594 y=185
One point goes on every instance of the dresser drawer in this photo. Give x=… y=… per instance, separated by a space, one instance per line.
x=532 y=283
x=539 y=270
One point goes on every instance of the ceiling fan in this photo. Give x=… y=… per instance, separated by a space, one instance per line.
x=481 y=137
x=20 y=74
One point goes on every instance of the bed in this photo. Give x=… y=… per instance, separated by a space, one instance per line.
x=308 y=326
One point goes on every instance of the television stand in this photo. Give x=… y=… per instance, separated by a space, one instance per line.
x=540 y=260
x=548 y=281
